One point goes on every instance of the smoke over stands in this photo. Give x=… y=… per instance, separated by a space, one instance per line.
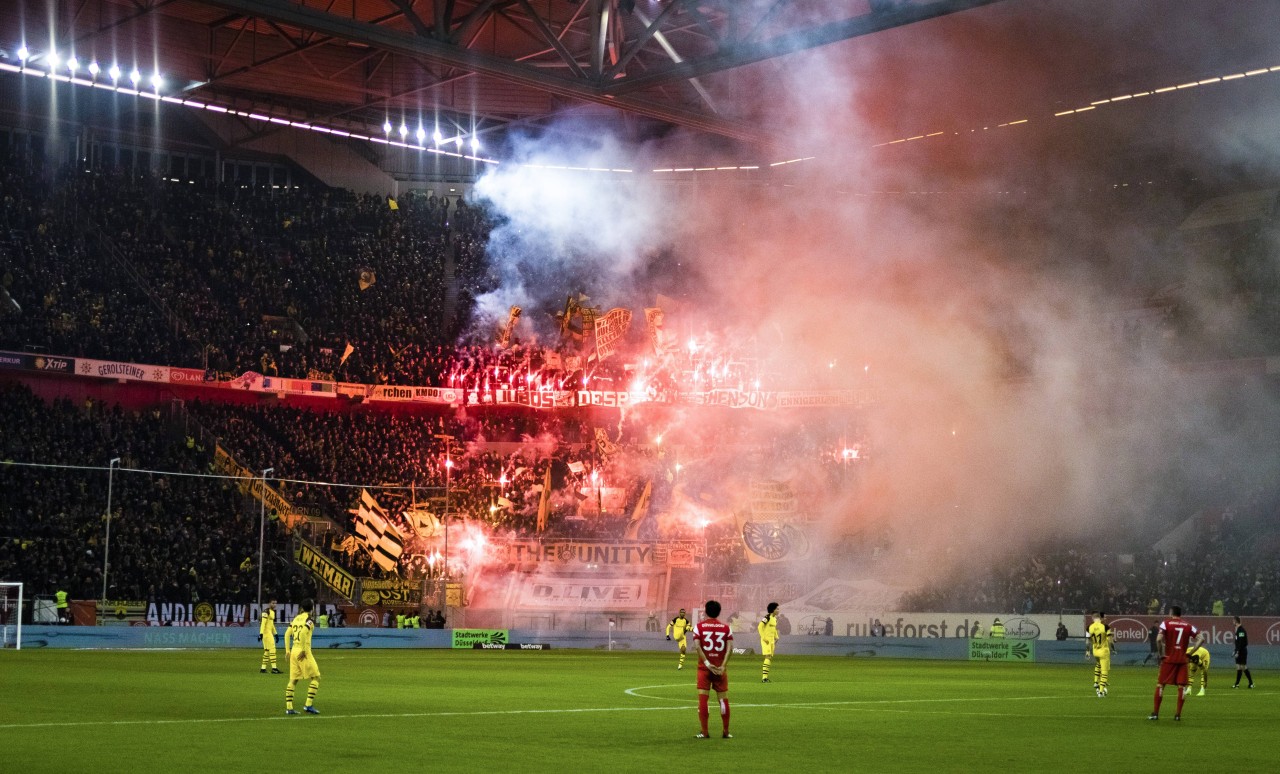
x=977 y=277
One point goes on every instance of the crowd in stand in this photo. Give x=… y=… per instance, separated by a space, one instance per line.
x=294 y=282
x=332 y=285
x=1240 y=582
x=173 y=538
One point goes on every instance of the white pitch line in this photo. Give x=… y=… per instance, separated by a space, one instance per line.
x=476 y=713
x=633 y=692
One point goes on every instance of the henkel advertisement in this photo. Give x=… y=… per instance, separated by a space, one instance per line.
x=1219 y=630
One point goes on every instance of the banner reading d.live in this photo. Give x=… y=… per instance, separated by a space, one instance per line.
x=1219 y=630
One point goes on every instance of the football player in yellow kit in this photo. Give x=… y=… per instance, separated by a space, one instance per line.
x=302 y=664
x=677 y=629
x=768 y=631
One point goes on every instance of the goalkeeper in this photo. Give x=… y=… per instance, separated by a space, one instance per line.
x=677 y=628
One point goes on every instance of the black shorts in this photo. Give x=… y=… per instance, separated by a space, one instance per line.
x=1242 y=656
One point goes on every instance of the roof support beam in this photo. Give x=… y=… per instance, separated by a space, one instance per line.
x=485 y=64
x=743 y=53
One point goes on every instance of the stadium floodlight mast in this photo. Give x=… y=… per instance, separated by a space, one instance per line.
x=262 y=531
x=106 y=543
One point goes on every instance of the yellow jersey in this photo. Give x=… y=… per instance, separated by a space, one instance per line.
x=1099 y=638
x=267 y=628
x=297 y=638
x=678 y=626
x=768 y=628
x=1198 y=656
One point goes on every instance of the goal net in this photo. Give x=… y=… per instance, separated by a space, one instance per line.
x=10 y=615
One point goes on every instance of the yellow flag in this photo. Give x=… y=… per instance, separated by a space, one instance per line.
x=392 y=203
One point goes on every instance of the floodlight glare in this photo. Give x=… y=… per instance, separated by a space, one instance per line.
x=94 y=69
x=114 y=72
x=54 y=60
x=421 y=134
x=135 y=77
x=386 y=127
x=157 y=81
x=458 y=141
x=404 y=131
x=73 y=64
x=475 y=143
x=439 y=138
x=24 y=54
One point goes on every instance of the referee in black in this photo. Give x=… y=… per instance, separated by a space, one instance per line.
x=1242 y=654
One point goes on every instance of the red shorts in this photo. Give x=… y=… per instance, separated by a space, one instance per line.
x=710 y=682
x=1172 y=674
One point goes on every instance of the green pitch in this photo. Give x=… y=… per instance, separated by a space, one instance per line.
x=582 y=711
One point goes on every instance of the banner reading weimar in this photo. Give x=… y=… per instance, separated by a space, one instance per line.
x=327 y=571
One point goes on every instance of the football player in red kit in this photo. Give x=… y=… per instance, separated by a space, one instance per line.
x=714 y=640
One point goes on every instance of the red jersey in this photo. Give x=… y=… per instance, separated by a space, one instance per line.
x=1177 y=635
x=714 y=638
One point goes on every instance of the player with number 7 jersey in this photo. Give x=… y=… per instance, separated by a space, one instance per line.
x=714 y=641
x=1175 y=636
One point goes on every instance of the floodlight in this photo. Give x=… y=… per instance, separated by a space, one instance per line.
x=24 y=54
x=135 y=77
x=439 y=138
x=114 y=72
x=475 y=144
x=386 y=127
x=404 y=131
x=53 y=59
x=73 y=64
x=94 y=69
x=421 y=134
x=157 y=81
x=458 y=141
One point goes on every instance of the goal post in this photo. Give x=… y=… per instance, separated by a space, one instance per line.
x=10 y=615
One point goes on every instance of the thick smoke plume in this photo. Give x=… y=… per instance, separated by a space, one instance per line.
x=977 y=283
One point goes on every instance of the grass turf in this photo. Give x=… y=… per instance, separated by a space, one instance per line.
x=440 y=710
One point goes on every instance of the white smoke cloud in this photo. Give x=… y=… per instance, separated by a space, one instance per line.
x=1010 y=409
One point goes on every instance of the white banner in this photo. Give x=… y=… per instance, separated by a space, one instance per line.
x=603 y=594
x=116 y=369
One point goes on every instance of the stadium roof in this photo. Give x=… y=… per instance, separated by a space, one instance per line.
x=730 y=74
